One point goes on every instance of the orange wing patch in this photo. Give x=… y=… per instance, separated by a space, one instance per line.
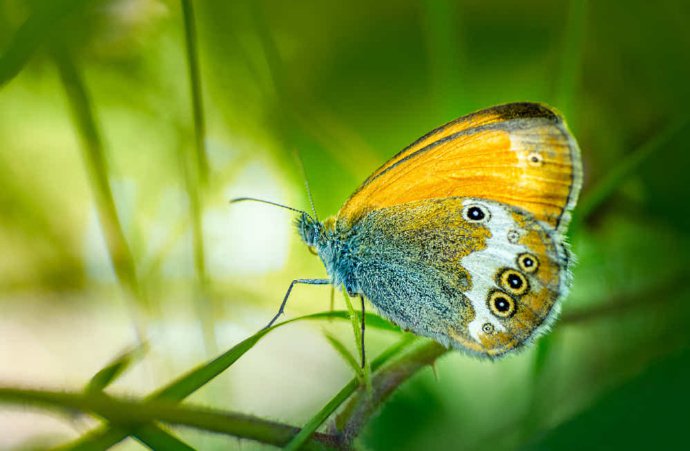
x=518 y=154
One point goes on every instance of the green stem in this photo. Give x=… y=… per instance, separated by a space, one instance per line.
x=197 y=179
x=192 y=381
x=132 y=413
x=195 y=87
x=95 y=161
x=154 y=437
x=38 y=29
x=322 y=415
x=363 y=404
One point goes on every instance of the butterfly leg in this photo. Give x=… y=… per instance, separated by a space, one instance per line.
x=363 y=326
x=287 y=295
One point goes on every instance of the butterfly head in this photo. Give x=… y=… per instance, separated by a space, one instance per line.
x=314 y=233
x=310 y=230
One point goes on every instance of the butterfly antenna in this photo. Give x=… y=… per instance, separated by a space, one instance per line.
x=275 y=204
x=306 y=183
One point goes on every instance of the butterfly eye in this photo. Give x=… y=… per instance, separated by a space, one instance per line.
x=476 y=213
x=513 y=282
x=501 y=304
x=535 y=159
x=528 y=263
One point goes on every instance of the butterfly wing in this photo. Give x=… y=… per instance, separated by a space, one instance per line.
x=485 y=283
x=519 y=154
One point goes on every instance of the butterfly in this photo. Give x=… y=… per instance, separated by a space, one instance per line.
x=460 y=237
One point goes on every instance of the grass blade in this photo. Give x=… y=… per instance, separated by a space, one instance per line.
x=196 y=177
x=194 y=380
x=137 y=413
x=331 y=406
x=356 y=328
x=156 y=438
x=37 y=30
x=108 y=374
x=197 y=378
x=195 y=87
x=95 y=161
x=347 y=356
x=151 y=435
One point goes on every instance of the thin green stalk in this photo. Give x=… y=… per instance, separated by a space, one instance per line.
x=151 y=435
x=133 y=413
x=195 y=87
x=157 y=438
x=95 y=161
x=192 y=381
x=197 y=180
x=37 y=30
x=346 y=355
x=326 y=411
x=114 y=369
x=203 y=302
x=362 y=405
x=355 y=320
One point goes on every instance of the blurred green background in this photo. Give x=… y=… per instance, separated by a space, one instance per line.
x=103 y=109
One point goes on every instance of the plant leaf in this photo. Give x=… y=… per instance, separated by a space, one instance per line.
x=156 y=438
x=108 y=374
x=33 y=33
x=138 y=413
x=197 y=378
x=331 y=406
x=340 y=347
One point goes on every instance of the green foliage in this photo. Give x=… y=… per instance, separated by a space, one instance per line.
x=108 y=374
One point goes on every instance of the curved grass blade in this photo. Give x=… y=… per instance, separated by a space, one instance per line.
x=156 y=438
x=108 y=374
x=322 y=415
x=196 y=173
x=192 y=381
x=137 y=413
x=33 y=33
x=359 y=342
x=94 y=156
x=150 y=435
x=342 y=350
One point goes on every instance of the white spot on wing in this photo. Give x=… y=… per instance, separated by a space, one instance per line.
x=483 y=265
